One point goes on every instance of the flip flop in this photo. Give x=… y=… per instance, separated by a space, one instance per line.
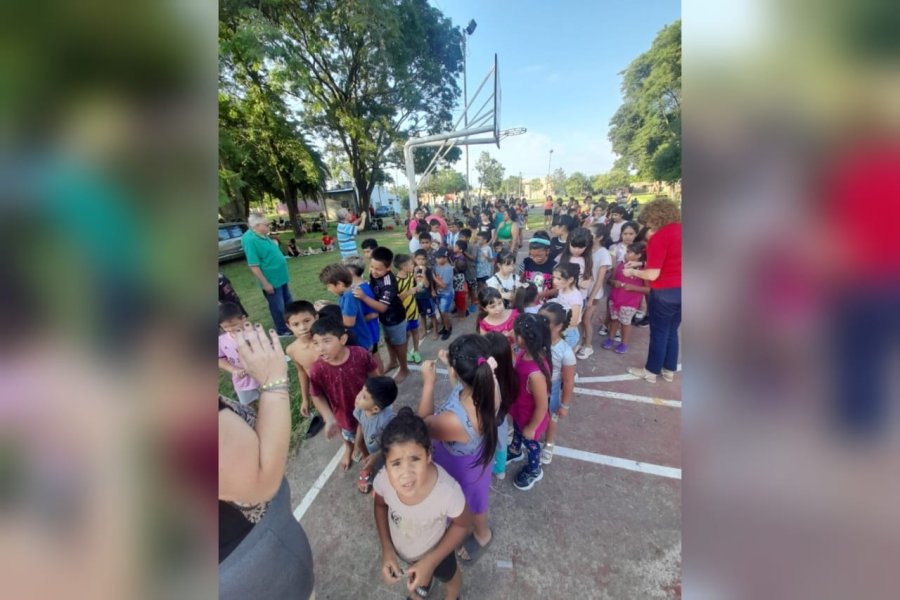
x=473 y=549
x=315 y=426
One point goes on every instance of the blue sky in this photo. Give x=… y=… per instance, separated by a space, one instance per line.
x=559 y=65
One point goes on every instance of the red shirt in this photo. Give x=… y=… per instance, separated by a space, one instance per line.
x=340 y=384
x=664 y=253
x=327 y=240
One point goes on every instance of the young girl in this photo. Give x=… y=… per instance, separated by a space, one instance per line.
x=505 y=280
x=628 y=233
x=601 y=261
x=562 y=379
x=421 y=498
x=625 y=299
x=529 y=411
x=494 y=316
x=565 y=279
x=509 y=387
x=464 y=428
x=578 y=251
x=526 y=299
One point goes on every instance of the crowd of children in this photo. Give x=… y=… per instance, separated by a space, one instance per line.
x=511 y=381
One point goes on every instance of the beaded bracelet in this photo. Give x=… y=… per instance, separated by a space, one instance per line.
x=266 y=387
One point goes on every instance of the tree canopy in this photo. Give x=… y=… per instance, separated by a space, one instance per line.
x=490 y=172
x=646 y=130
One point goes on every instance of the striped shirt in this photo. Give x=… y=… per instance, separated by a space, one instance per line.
x=346 y=235
x=409 y=303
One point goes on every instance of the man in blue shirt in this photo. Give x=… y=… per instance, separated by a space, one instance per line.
x=346 y=232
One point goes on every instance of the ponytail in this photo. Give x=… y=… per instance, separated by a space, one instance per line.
x=468 y=355
x=505 y=372
x=535 y=332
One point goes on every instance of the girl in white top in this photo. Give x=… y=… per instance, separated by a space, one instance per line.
x=565 y=279
x=602 y=262
x=617 y=251
x=414 y=500
x=505 y=280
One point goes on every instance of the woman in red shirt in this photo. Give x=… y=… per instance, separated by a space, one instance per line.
x=663 y=271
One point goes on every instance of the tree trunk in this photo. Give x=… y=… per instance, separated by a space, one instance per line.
x=291 y=202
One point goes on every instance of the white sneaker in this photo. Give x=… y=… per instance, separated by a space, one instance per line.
x=643 y=374
x=668 y=375
x=547 y=454
x=584 y=353
x=500 y=475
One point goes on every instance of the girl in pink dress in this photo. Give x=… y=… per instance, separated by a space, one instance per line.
x=494 y=316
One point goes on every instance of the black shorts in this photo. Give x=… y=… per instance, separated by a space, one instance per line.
x=548 y=212
x=447 y=568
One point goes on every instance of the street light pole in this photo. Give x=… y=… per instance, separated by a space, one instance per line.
x=469 y=30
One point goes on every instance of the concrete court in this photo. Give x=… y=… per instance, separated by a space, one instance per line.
x=586 y=530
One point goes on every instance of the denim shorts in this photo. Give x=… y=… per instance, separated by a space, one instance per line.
x=445 y=302
x=572 y=336
x=349 y=436
x=426 y=307
x=555 y=395
x=395 y=335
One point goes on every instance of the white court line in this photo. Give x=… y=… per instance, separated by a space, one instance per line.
x=606 y=378
x=318 y=485
x=619 y=463
x=628 y=397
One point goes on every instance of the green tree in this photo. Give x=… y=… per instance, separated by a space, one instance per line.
x=490 y=172
x=577 y=184
x=608 y=183
x=558 y=182
x=537 y=186
x=512 y=185
x=364 y=71
x=646 y=130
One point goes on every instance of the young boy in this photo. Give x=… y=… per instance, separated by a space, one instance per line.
x=471 y=278
x=426 y=245
x=336 y=378
x=423 y=276
x=327 y=243
x=484 y=258
x=436 y=236
x=453 y=234
x=406 y=288
x=443 y=286
x=373 y=411
x=232 y=320
x=367 y=246
x=300 y=316
x=390 y=309
x=338 y=280
x=537 y=268
x=357 y=267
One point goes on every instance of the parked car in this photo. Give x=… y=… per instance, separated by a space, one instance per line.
x=230 y=240
x=383 y=211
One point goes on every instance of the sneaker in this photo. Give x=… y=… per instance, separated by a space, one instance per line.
x=410 y=356
x=417 y=358
x=525 y=480
x=585 y=352
x=603 y=330
x=642 y=374
x=577 y=348
x=668 y=375
x=618 y=336
x=547 y=454
x=621 y=348
x=645 y=322
x=500 y=476
x=512 y=457
x=447 y=333
x=607 y=344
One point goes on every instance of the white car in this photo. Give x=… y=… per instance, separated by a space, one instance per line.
x=230 y=240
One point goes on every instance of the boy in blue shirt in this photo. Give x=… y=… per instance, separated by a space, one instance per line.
x=338 y=279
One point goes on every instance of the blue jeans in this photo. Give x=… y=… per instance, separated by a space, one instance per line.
x=277 y=301
x=665 y=317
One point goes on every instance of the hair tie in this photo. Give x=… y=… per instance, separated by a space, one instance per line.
x=491 y=361
x=481 y=360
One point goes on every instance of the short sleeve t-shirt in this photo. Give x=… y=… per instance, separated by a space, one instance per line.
x=228 y=351
x=351 y=307
x=373 y=426
x=385 y=290
x=445 y=272
x=418 y=528
x=367 y=310
x=484 y=266
x=339 y=384
x=562 y=356
x=530 y=271
x=346 y=234
x=600 y=258
x=664 y=253
x=569 y=298
x=264 y=253
x=409 y=303
x=556 y=247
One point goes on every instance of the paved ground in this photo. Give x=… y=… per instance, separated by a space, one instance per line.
x=605 y=521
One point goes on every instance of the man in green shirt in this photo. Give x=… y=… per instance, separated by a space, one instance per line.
x=269 y=266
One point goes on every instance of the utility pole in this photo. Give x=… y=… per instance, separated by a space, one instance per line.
x=469 y=30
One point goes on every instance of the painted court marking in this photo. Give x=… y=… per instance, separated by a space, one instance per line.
x=319 y=484
x=628 y=397
x=619 y=463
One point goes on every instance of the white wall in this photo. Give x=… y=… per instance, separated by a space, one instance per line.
x=381 y=197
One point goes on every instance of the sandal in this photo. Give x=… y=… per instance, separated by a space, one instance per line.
x=473 y=549
x=547 y=454
x=364 y=484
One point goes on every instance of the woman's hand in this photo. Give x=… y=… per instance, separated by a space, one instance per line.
x=390 y=568
x=261 y=354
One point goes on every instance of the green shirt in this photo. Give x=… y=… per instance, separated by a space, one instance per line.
x=264 y=253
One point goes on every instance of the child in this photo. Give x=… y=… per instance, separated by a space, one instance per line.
x=560 y=230
x=436 y=237
x=357 y=267
x=373 y=412
x=562 y=379
x=453 y=234
x=579 y=251
x=327 y=243
x=625 y=299
x=300 y=315
x=414 y=239
x=292 y=249
x=464 y=428
x=391 y=311
x=339 y=281
x=505 y=372
x=526 y=299
x=537 y=268
x=422 y=499
x=443 y=288
x=346 y=232
x=484 y=258
x=368 y=245
x=227 y=293
x=232 y=320
x=460 y=289
x=335 y=379
x=428 y=247
x=406 y=288
x=628 y=234
x=494 y=316
x=617 y=221
x=529 y=411
x=565 y=279
x=423 y=277
x=601 y=261
x=328 y=310
x=505 y=280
